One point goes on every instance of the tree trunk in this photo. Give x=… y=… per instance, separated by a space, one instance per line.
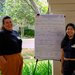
x=34 y=6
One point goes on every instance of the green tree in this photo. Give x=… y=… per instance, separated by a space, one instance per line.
x=19 y=10
x=23 y=11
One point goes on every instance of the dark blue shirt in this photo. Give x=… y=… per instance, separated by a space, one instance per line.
x=68 y=46
x=9 y=42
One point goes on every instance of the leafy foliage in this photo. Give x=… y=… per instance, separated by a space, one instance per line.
x=21 y=10
x=41 y=69
x=22 y=13
x=29 y=33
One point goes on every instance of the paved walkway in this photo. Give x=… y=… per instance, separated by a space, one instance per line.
x=28 y=43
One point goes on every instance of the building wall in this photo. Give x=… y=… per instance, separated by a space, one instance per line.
x=66 y=7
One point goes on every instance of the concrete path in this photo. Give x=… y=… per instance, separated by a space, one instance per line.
x=28 y=43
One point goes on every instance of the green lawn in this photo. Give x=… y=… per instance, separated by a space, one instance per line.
x=29 y=64
x=42 y=67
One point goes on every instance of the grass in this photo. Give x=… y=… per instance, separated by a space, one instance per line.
x=41 y=69
x=30 y=62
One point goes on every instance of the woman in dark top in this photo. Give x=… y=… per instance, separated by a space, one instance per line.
x=68 y=50
x=11 y=61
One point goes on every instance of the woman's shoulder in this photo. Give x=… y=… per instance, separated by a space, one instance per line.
x=15 y=32
x=65 y=39
x=1 y=31
x=73 y=39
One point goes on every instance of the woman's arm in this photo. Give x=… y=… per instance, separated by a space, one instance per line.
x=62 y=59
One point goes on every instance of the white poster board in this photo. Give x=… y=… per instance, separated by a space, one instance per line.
x=49 y=31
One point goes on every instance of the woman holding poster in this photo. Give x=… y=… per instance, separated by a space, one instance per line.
x=68 y=50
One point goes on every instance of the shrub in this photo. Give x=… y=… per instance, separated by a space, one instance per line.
x=29 y=33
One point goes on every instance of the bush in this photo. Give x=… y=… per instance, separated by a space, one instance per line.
x=29 y=33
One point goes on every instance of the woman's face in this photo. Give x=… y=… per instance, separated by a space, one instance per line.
x=70 y=31
x=8 y=24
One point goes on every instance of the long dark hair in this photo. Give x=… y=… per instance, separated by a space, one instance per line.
x=70 y=24
x=66 y=38
x=73 y=26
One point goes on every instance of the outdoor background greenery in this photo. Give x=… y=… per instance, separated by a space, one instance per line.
x=41 y=69
x=23 y=14
x=29 y=64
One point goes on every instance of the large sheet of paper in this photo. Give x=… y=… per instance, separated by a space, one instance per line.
x=49 y=31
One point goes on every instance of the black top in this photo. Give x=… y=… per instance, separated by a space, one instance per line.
x=9 y=42
x=68 y=46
